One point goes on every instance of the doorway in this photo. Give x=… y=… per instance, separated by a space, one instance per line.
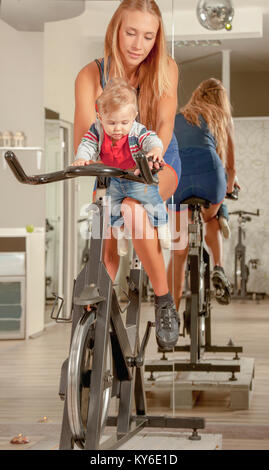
x=59 y=259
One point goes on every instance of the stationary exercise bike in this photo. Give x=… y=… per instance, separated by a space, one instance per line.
x=241 y=268
x=106 y=358
x=197 y=313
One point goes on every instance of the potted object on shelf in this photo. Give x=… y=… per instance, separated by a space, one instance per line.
x=19 y=139
x=7 y=139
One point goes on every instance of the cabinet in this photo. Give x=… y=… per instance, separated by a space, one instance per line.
x=22 y=281
x=12 y=307
x=12 y=289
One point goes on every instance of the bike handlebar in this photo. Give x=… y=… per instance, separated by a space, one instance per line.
x=240 y=213
x=95 y=169
x=233 y=195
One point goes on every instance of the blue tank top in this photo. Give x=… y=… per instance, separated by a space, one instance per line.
x=191 y=136
x=100 y=66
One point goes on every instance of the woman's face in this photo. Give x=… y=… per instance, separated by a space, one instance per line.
x=137 y=36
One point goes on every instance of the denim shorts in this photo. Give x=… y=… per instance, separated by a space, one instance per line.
x=148 y=195
x=203 y=175
x=172 y=157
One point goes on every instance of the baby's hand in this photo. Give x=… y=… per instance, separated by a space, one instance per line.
x=156 y=161
x=157 y=158
x=81 y=162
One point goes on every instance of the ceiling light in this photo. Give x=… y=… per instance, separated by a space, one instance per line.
x=215 y=14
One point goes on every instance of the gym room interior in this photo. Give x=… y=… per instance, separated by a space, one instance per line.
x=45 y=229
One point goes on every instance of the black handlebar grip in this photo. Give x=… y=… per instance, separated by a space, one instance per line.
x=233 y=195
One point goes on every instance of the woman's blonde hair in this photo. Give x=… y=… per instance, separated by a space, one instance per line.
x=210 y=100
x=153 y=73
x=117 y=93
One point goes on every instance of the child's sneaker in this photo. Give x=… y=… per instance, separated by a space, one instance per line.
x=164 y=236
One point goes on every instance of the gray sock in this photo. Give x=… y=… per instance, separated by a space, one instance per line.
x=163 y=299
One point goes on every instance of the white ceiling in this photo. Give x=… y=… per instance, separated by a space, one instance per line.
x=188 y=4
x=247 y=54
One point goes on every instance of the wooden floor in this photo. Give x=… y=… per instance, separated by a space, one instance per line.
x=29 y=377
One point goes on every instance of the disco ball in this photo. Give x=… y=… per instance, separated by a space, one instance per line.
x=215 y=14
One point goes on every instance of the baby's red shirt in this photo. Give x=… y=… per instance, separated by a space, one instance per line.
x=117 y=155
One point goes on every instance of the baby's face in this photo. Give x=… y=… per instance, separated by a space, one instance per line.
x=118 y=123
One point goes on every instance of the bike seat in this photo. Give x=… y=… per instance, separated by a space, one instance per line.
x=194 y=201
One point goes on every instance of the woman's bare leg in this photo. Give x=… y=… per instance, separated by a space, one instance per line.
x=168 y=183
x=177 y=264
x=213 y=236
x=111 y=257
x=147 y=247
x=176 y=274
x=144 y=237
x=214 y=242
x=179 y=254
x=146 y=244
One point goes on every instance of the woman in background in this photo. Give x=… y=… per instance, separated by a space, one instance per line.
x=204 y=132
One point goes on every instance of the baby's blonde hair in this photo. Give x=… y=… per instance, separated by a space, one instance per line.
x=117 y=93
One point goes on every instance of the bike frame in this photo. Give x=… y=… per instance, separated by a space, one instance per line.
x=93 y=287
x=240 y=287
x=198 y=302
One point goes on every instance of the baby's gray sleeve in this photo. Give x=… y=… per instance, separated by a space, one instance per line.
x=151 y=140
x=87 y=150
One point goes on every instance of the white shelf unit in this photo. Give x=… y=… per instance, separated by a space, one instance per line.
x=22 y=148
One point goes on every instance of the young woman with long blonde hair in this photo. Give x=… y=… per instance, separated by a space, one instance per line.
x=205 y=136
x=135 y=49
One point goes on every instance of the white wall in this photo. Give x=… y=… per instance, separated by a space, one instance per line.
x=249 y=93
x=252 y=157
x=68 y=46
x=22 y=109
